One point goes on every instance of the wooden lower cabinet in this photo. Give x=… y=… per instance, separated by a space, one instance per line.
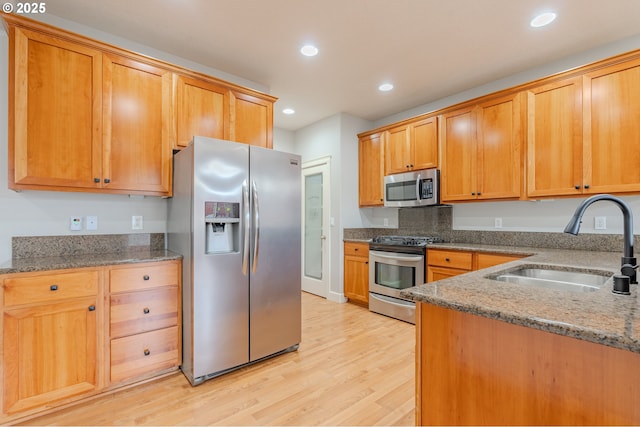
x=51 y=338
x=66 y=337
x=144 y=317
x=472 y=370
x=445 y=263
x=356 y=272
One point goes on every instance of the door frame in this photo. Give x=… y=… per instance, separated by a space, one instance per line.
x=324 y=166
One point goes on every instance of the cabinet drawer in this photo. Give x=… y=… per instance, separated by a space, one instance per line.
x=143 y=277
x=356 y=249
x=136 y=312
x=485 y=260
x=49 y=287
x=452 y=259
x=142 y=354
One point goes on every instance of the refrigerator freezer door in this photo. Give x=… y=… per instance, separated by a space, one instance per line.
x=275 y=313
x=220 y=289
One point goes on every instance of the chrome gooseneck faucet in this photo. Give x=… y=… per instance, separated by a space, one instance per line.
x=628 y=260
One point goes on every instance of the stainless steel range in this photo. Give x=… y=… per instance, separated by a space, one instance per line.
x=396 y=263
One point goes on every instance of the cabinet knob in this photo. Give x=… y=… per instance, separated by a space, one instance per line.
x=586 y=186
x=146 y=310
x=107 y=180
x=53 y=287
x=96 y=180
x=447 y=259
x=577 y=187
x=145 y=277
x=147 y=352
x=473 y=194
x=92 y=308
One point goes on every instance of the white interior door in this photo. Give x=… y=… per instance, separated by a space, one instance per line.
x=316 y=236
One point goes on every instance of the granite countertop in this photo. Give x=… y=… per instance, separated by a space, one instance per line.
x=28 y=264
x=601 y=316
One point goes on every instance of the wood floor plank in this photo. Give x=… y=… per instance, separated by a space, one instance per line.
x=353 y=367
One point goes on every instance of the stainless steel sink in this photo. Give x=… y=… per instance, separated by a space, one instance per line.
x=549 y=278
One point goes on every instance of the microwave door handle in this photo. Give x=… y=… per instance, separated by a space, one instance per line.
x=418 y=182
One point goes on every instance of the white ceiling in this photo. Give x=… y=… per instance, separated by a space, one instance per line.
x=428 y=49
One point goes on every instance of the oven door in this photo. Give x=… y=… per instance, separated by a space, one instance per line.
x=391 y=272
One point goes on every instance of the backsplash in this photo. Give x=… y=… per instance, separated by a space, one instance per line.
x=437 y=221
x=45 y=246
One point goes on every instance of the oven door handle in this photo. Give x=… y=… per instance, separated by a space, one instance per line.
x=403 y=257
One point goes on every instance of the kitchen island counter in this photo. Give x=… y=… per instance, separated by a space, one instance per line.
x=600 y=316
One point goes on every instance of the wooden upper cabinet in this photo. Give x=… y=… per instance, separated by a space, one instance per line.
x=424 y=138
x=201 y=108
x=612 y=129
x=251 y=119
x=500 y=141
x=459 y=152
x=371 y=170
x=55 y=119
x=554 y=139
x=481 y=151
x=137 y=126
x=412 y=147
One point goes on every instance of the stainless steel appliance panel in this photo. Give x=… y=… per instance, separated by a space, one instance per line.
x=221 y=305
x=275 y=264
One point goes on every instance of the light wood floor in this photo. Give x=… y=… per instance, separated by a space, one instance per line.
x=353 y=367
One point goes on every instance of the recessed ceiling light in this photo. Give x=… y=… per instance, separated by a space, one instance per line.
x=288 y=111
x=543 y=19
x=309 y=50
x=385 y=87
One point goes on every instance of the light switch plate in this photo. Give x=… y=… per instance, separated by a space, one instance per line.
x=600 y=223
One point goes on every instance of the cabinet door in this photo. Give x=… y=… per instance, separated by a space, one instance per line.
x=49 y=353
x=251 y=120
x=499 y=136
x=424 y=141
x=137 y=127
x=554 y=139
x=356 y=278
x=202 y=109
x=371 y=170
x=398 y=151
x=459 y=153
x=612 y=129
x=55 y=122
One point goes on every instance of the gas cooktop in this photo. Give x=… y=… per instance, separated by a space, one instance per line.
x=406 y=240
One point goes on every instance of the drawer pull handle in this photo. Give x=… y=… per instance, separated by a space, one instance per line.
x=146 y=310
x=53 y=287
x=145 y=277
x=92 y=308
x=147 y=352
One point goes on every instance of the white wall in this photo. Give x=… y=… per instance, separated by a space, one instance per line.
x=43 y=213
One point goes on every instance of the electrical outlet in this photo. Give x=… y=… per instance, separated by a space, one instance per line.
x=497 y=223
x=136 y=222
x=75 y=223
x=385 y=222
x=600 y=223
x=91 y=222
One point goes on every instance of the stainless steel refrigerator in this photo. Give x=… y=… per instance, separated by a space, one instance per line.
x=235 y=216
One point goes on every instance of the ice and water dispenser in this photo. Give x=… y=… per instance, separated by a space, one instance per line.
x=222 y=220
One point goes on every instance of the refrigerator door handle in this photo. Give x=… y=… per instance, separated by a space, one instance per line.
x=247 y=218
x=256 y=226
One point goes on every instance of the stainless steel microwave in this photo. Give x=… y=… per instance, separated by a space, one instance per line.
x=412 y=189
